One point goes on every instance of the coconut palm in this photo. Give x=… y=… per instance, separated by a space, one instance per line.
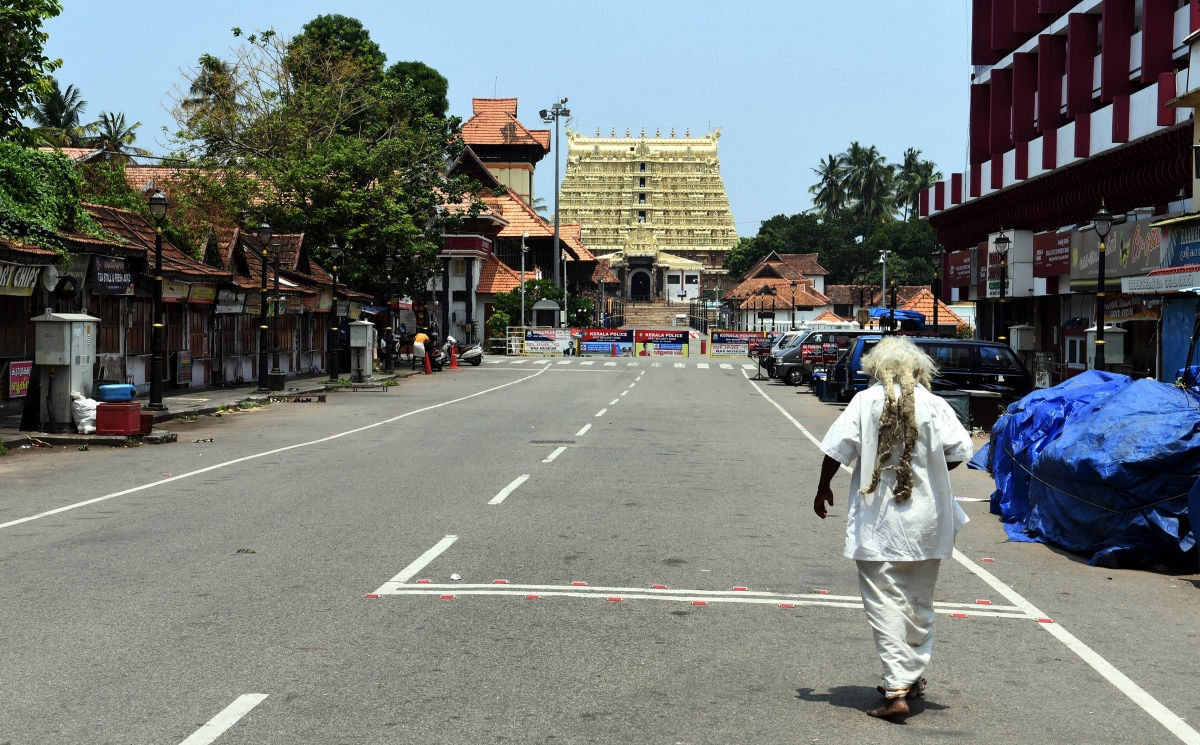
x=113 y=136
x=912 y=177
x=829 y=194
x=57 y=116
x=868 y=180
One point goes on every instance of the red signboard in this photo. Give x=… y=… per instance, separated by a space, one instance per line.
x=18 y=378
x=1052 y=254
x=958 y=268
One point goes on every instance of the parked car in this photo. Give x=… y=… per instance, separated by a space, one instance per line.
x=814 y=350
x=963 y=364
x=784 y=342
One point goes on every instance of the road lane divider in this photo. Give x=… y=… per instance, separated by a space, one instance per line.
x=509 y=489
x=420 y=563
x=583 y=430
x=556 y=452
x=228 y=717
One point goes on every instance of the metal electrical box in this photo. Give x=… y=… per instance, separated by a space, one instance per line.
x=65 y=353
x=1114 y=346
x=362 y=350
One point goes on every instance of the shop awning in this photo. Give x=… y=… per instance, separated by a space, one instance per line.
x=1175 y=220
x=1170 y=280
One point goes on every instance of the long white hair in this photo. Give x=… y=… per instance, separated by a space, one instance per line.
x=896 y=361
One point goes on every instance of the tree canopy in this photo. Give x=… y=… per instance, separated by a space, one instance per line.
x=24 y=69
x=312 y=135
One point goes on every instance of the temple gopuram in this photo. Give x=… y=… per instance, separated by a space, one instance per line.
x=654 y=207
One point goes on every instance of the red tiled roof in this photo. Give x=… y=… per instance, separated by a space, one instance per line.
x=138 y=233
x=603 y=273
x=805 y=264
x=495 y=123
x=495 y=277
x=26 y=250
x=73 y=153
x=520 y=216
x=786 y=266
x=851 y=294
x=786 y=294
x=829 y=315
x=922 y=302
x=572 y=235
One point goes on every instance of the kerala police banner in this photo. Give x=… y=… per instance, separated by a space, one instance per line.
x=653 y=342
x=606 y=342
x=547 y=340
x=732 y=343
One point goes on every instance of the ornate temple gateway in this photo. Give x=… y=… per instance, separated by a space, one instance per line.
x=654 y=207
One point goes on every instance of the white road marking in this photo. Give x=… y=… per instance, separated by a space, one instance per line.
x=632 y=385
x=680 y=364
x=264 y=454
x=614 y=402
x=655 y=364
x=509 y=489
x=726 y=366
x=588 y=362
x=422 y=561
x=583 y=430
x=563 y=362
x=519 y=361
x=702 y=365
x=229 y=716
x=610 y=363
x=624 y=391
x=602 y=412
x=631 y=364
x=1135 y=693
x=557 y=452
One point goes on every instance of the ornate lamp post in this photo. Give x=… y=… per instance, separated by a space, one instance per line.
x=1103 y=223
x=1002 y=244
x=158 y=210
x=389 y=264
x=883 y=258
x=553 y=114
x=524 y=250
x=937 y=289
x=892 y=306
x=277 y=375
x=335 y=342
x=264 y=238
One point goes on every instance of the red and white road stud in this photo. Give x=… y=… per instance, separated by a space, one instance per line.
x=499 y=582
x=1045 y=620
x=447 y=597
x=699 y=602
x=532 y=597
x=988 y=559
x=423 y=581
x=982 y=601
x=958 y=615
x=658 y=587
x=372 y=595
x=739 y=589
x=821 y=592
x=577 y=583
x=613 y=599
x=787 y=605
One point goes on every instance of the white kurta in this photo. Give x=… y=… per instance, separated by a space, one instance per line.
x=923 y=527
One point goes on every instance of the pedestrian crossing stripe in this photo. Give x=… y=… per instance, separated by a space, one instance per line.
x=699 y=365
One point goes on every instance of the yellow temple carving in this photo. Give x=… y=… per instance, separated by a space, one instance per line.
x=655 y=202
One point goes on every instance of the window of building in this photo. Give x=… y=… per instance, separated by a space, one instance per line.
x=641 y=215
x=691 y=279
x=672 y=279
x=642 y=198
x=459 y=267
x=642 y=167
x=642 y=181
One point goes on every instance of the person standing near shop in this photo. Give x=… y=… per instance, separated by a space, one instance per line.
x=900 y=523
x=420 y=344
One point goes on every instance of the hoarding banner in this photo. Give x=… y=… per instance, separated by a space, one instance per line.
x=652 y=342
x=1130 y=249
x=1052 y=254
x=605 y=342
x=112 y=276
x=229 y=301
x=174 y=291
x=547 y=341
x=202 y=293
x=19 y=279
x=958 y=268
x=732 y=343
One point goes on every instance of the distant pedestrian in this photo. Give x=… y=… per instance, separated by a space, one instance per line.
x=420 y=343
x=902 y=521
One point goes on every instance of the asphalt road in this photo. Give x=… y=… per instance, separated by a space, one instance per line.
x=514 y=521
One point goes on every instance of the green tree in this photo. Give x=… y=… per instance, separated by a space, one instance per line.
x=312 y=136
x=868 y=181
x=40 y=197
x=24 y=69
x=58 y=116
x=114 y=136
x=912 y=177
x=829 y=193
x=431 y=84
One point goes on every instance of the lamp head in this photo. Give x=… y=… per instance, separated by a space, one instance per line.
x=1103 y=221
x=158 y=205
x=335 y=251
x=264 y=232
x=389 y=263
x=1002 y=244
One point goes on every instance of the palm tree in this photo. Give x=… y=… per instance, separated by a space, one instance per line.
x=913 y=177
x=868 y=180
x=211 y=108
x=57 y=115
x=829 y=194
x=113 y=136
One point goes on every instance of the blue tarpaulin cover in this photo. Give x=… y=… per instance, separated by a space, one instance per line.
x=901 y=315
x=1100 y=465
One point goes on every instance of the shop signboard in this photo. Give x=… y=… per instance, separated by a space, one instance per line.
x=732 y=343
x=958 y=268
x=229 y=301
x=111 y=276
x=202 y=293
x=174 y=291
x=253 y=303
x=19 y=279
x=1184 y=241
x=19 y=373
x=1052 y=254
x=662 y=343
x=1132 y=308
x=606 y=342
x=1130 y=249
x=183 y=367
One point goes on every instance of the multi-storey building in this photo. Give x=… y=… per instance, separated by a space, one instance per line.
x=1075 y=105
x=655 y=207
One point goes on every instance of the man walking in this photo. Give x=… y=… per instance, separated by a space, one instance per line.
x=901 y=522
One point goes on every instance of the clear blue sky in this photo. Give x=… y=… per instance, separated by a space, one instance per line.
x=788 y=82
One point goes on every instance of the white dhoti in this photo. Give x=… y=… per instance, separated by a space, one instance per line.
x=898 y=598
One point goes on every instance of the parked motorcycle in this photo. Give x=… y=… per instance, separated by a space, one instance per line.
x=466 y=354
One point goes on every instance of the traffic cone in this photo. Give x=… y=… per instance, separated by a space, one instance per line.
x=428 y=369
x=453 y=357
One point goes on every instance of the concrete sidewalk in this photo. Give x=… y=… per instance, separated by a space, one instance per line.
x=183 y=402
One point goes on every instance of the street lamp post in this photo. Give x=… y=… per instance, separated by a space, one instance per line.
x=553 y=114
x=937 y=289
x=264 y=238
x=892 y=305
x=158 y=210
x=523 y=252
x=883 y=259
x=277 y=375
x=389 y=264
x=1002 y=244
x=335 y=342
x=1103 y=223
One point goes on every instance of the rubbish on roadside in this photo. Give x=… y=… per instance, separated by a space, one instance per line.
x=455 y=577
x=204 y=439
x=38 y=442
x=83 y=411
